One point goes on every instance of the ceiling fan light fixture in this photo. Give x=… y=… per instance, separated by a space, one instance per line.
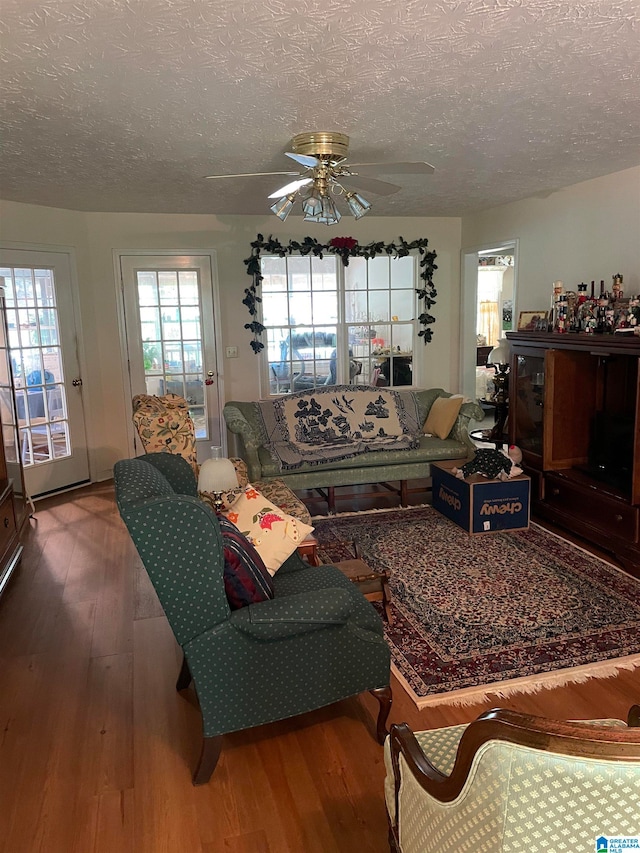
x=328 y=215
x=312 y=204
x=282 y=207
x=358 y=205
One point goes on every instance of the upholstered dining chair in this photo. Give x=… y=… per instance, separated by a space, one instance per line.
x=513 y=783
x=315 y=641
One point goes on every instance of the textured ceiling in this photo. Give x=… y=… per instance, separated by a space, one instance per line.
x=124 y=105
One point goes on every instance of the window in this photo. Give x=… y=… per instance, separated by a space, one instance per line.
x=327 y=324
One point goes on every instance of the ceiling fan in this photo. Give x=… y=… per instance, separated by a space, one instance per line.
x=322 y=155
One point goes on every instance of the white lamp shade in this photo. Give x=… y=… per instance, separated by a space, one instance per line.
x=217 y=475
x=500 y=353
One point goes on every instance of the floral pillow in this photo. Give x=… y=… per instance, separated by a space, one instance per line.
x=273 y=533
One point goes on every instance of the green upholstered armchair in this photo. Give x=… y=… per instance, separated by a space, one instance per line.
x=316 y=642
x=513 y=783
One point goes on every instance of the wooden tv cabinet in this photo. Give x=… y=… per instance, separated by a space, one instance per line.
x=574 y=410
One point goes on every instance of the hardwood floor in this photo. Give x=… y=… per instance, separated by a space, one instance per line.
x=97 y=748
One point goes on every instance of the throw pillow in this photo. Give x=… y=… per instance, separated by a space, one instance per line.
x=442 y=415
x=274 y=533
x=246 y=579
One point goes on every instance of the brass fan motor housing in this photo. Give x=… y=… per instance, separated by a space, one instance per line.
x=323 y=144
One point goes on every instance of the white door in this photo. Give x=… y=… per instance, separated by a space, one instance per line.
x=170 y=321
x=39 y=306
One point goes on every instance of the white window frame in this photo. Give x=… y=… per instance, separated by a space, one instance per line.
x=342 y=346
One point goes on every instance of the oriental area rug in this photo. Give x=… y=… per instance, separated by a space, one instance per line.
x=502 y=613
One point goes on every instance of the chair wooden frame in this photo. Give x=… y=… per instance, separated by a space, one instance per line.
x=576 y=738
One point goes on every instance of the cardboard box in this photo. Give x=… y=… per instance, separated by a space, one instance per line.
x=479 y=505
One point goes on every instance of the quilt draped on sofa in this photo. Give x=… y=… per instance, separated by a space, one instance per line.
x=338 y=422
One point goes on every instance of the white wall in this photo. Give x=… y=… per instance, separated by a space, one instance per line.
x=585 y=232
x=96 y=235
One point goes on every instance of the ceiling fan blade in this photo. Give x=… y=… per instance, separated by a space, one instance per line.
x=392 y=168
x=293 y=187
x=248 y=175
x=371 y=185
x=303 y=159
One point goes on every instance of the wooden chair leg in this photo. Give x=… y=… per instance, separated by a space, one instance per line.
x=386 y=601
x=209 y=755
x=385 y=698
x=184 y=679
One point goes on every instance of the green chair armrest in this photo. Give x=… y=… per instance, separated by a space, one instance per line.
x=293 y=615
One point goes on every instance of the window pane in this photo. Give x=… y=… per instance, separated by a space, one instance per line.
x=299 y=270
x=402 y=337
x=402 y=304
x=150 y=324
x=402 y=272
x=378 y=269
x=24 y=287
x=355 y=309
x=275 y=308
x=325 y=307
x=276 y=280
x=191 y=323
x=299 y=308
x=323 y=274
x=147 y=289
x=171 y=330
x=355 y=275
x=44 y=289
x=168 y=286
x=188 y=284
x=379 y=305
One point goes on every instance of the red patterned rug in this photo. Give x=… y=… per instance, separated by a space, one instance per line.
x=508 y=612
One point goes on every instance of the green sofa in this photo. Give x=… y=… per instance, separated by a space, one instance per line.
x=316 y=642
x=243 y=421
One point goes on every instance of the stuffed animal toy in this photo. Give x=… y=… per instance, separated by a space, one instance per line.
x=493 y=464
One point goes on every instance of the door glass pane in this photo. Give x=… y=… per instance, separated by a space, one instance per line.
x=172 y=338
x=36 y=359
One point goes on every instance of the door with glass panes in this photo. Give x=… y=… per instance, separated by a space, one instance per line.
x=42 y=338
x=170 y=306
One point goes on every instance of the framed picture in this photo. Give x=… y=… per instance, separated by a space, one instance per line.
x=532 y=321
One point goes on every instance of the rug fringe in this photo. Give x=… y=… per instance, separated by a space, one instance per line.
x=528 y=684
x=368 y=511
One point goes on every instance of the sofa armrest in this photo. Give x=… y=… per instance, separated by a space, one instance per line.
x=250 y=441
x=471 y=411
x=293 y=615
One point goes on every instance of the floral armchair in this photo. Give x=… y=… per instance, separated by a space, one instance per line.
x=164 y=425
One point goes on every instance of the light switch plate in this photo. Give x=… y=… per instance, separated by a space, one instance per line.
x=232 y=352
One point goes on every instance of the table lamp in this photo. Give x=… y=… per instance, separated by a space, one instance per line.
x=217 y=476
x=498 y=358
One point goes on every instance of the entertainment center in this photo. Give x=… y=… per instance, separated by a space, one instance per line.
x=574 y=410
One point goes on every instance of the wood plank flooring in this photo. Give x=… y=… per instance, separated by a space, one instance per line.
x=97 y=748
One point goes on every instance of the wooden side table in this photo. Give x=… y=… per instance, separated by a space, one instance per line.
x=373 y=585
x=309 y=548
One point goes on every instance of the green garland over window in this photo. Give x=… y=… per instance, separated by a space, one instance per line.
x=345 y=248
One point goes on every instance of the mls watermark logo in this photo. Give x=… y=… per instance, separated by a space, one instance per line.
x=617 y=843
